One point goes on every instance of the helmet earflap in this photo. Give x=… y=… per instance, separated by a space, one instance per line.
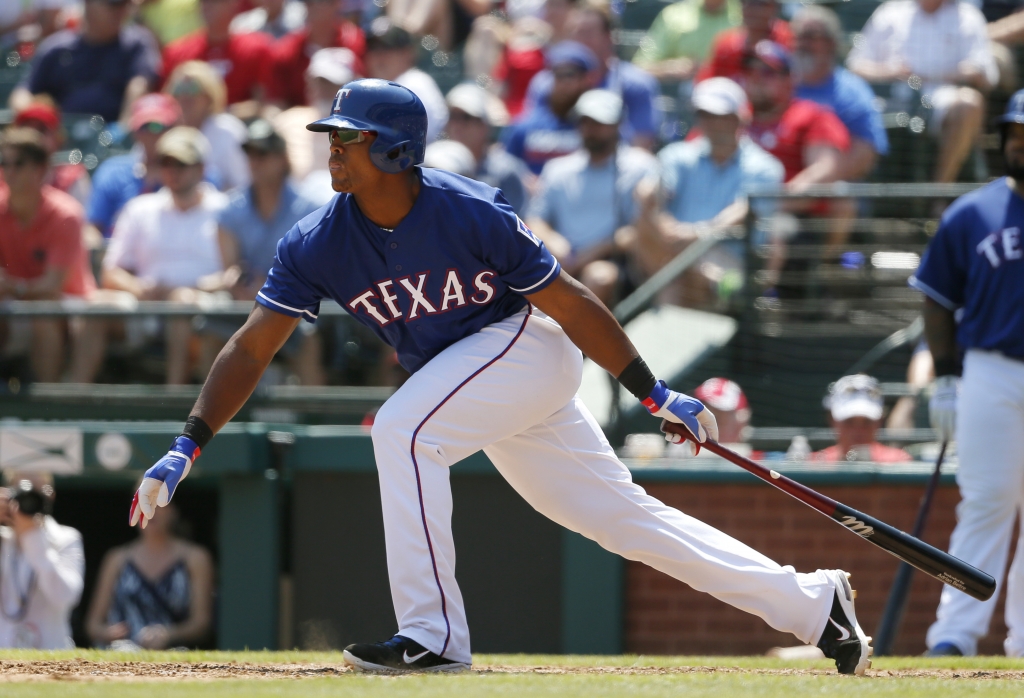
x=394 y=158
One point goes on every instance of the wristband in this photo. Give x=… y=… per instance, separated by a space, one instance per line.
x=947 y=366
x=198 y=430
x=638 y=379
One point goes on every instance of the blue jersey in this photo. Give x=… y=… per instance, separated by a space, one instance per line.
x=459 y=261
x=975 y=267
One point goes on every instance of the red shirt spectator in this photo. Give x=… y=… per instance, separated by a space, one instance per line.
x=515 y=70
x=290 y=56
x=241 y=59
x=732 y=47
x=52 y=239
x=802 y=125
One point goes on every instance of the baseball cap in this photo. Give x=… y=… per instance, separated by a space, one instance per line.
x=452 y=156
x=571 y=53
x=261 y=135
x=603 y=106
x=333 y=65
x=722 y=394
x=721 y=97
x=185 y=144
x=156 y=108
x=385 y=34
x=45 y=114
x=773 y=55
x=855 y=396
x=478 y=102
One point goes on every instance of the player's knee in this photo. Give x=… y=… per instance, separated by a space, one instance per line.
x=390 y=423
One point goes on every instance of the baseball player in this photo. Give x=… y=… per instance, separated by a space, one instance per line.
x=491 y=329
x=973 y=279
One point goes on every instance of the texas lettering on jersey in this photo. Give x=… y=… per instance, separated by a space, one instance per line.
x=382 y=302
x=1001 y=246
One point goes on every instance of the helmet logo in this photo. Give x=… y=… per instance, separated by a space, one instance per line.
x=339 y=98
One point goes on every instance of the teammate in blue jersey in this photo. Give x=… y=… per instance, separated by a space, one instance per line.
x=973 y=279
x=491 y=329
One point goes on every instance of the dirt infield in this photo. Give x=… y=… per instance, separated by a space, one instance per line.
x=88 y=670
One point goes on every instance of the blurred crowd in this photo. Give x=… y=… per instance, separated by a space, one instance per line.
x=619 y=152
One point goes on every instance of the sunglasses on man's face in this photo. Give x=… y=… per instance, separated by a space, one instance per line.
x=152 y=127
x=345 y=136
x=187 y=88
x=172 y=163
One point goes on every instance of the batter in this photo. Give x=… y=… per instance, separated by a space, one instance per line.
x=973 y=280
x=492 y=329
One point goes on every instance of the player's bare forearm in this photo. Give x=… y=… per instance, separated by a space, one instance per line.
x=940 y=331
x=240 y=365
x=587 y=322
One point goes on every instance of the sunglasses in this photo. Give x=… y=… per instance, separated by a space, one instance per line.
x=187 y=88
x=172 y=163
x=14 y=164
x=461 y=116
x=346 y=136
x=152 y=127
x=568 y=74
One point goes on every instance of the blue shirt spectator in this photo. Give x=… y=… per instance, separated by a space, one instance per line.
x=853 y=101
x=540 y=135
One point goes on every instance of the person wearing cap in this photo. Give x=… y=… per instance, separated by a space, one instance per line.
x=123 y=177
x=726 y=400
x=391 y=55
x=450 y=155
x=585 y=199
x=818 y=36
x=473 y=116
x=99 y=68
x=681 y=36
x=202 y=95
x=730 y=49
x=164 y=242
x=702 y=189
x=325 y=27
x=591 y=25
x=41 y=251
x=545 y=130
x=855 y=410
x=71 y=178
x=944 y=44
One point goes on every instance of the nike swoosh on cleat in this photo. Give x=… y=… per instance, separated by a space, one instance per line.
x=844 y=634
x=421 y=655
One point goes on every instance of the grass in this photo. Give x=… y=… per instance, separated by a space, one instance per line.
x=973 y=672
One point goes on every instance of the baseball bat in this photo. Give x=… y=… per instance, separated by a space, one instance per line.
x=889 y=626
x=932 y=561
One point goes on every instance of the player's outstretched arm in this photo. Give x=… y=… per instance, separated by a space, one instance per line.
x=593 y=328
x=232 y=379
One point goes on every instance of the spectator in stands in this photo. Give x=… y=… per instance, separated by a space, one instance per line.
x=945 y=44
x=41 y=251
x=586 y=198
x=545 y=131
x=275 y=18
x=447 y=20
x=473 y=116
x=249 y=227
x=702 y=189
x=727 y=402
x=680 y=38
x=163 y=243
x=450 y=155
x=154 y=593
x=760 y=23
x=591 y=25
x=325 y=28
x=239 y=59
x=391 y=55
x=15 y=15
x=124 y=177
x=201 y=94
x=69 y=177
x=855 y=411
x=170 y=20
x=100 y=68
x=308 y=152
x=42 y=566
x=818 y=36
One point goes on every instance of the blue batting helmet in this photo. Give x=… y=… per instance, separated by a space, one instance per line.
x=391 y=111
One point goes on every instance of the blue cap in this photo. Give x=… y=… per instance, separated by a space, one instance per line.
x=571 y=52
x=773 y=55
x=1014 y=113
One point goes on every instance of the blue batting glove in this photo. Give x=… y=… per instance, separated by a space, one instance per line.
x=682 y=409
x=162 y=479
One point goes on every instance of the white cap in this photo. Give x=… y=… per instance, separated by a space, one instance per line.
x=603 y=106
x=335 y=65
x=452 y=156
x=478 y=102
x=721 y=97
x=855 y=396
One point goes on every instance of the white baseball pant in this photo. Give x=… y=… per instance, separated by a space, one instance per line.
x=511 y=390
x=990 y=446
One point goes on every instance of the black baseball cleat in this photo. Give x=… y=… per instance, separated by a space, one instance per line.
x=398 y=654
x=843 y=639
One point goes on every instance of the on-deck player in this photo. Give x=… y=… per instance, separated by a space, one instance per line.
x=442 y=269
x=973 y=279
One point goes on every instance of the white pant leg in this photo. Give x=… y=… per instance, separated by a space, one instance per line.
x=1014 y=611
x=565 y=468
x=484 y=388
x=990 y=446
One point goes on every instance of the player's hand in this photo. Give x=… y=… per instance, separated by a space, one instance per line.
x=942 y=407
x=160 y=481
x=682 y=409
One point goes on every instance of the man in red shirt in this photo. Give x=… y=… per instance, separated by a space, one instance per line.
x=855 y=407
x=325 y=28
x=41 y=251
x=760 y=22
x=241 y=59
